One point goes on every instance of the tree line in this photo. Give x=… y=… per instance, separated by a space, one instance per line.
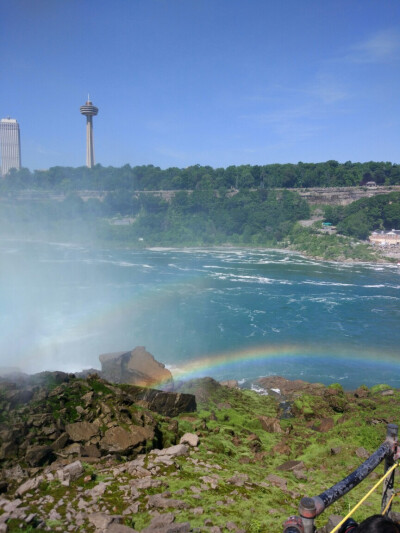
x=197 y=177
x=200 y=212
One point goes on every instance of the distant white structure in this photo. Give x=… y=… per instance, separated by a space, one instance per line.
x=10 y=145
x=89 y=110
x=385 y=238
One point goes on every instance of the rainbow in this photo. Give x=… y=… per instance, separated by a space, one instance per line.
x=229 y=361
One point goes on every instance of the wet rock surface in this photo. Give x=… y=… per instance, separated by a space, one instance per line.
x=137 y=367
x=280 y=387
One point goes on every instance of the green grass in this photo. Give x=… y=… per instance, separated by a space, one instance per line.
x=98 y=386
x=379 y=388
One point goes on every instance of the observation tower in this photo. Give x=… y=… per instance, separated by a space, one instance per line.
x=89 y=110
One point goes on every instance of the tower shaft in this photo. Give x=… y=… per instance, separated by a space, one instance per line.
x=89 y=142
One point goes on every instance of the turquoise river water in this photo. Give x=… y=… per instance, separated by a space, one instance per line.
x=222 y=312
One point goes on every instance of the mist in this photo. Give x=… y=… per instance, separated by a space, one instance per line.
x=81 y=274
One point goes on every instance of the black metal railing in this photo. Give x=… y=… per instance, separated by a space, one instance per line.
x=310 y=508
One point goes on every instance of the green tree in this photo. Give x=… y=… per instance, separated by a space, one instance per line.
x=356 y=225
x=391 y=215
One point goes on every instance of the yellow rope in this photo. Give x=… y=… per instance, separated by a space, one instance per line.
x=364 y=498
x=390 y=501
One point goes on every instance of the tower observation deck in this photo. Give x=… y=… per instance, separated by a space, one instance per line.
x=89 y=110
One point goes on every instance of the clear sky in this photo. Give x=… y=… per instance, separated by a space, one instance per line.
x=217 y=82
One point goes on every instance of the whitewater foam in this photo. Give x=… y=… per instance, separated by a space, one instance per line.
x=258 y=390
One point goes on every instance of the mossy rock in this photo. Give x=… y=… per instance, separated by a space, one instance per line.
x=379 y=388
x=336 y=399
x=367 y=404
x=336 y=386
x=310 y=407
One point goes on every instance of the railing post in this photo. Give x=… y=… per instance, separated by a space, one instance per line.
x=387 y=488
x=308 y=512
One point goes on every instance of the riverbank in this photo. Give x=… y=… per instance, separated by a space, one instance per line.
x=380 y=258
x=305 y=241
x=391 y=255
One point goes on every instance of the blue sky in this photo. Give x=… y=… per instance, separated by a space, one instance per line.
x=217 y=82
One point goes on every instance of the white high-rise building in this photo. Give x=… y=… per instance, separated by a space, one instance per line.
x=10 y=145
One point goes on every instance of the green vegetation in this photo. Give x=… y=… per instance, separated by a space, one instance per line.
x=237 y=206
x=197 y=177
x=227 y=437
x=380 y=388
x=258 y=218
x=330 y=247
x=382 y=212
x=98 y=386
x=227 y=476
x=336 y=386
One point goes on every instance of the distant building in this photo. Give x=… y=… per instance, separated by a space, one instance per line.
x=10 y=145
x=385 y=238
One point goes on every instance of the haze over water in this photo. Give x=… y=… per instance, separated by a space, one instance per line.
x=243 y=313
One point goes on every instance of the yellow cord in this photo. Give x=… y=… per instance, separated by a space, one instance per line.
x=390 y=501
x=364 y=498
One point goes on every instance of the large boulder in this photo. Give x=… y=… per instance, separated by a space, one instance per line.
x=18 y=397
x=81 y=431
x=202 y=388
x=39 y=455
x=137 y=367
x=120 y=440
x=164 y=403
x=270 y=424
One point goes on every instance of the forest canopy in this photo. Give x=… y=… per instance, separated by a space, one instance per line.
x=197 y=177
x=198 y=218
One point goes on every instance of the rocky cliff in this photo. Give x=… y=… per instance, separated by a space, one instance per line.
x=342 y=195
x=55 y=415
x=87 y=455
x=314 y=195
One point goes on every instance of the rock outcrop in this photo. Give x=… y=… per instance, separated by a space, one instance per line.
x=342 y=195
x=203 y=389
x=137 y=367
x=278 y=386
x=163 y=403
x=83 y=418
